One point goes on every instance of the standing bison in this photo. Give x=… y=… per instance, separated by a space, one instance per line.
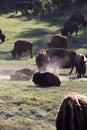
x=21 y=46
x=77 y=17
x=81 y=65
x=24 y=6
x=69 y=28
x=46 y=79
x=42 y=60
x=58 y=41
x=72 y=114
x=62 y=58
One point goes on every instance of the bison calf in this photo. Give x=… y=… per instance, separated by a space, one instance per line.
x=46 y=79
x=72 y=114
x=21 y=46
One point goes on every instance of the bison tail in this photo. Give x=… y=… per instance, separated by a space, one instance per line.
x=65 y=118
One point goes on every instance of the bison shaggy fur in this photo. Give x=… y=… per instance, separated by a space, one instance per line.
x=21 y=46
x=58 y=41
x=72 y=114
x=46 y=79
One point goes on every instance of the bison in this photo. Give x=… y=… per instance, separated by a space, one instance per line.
x=72 y=114
x=2 y=36
x=21 y=46
x=58 y=41
x=69 y=28
x=24 y=6
x=42 y=60
x=77 y=17
x=62 y=58
x=19 y=77
x=81 y=65
x=46 y=79
x=26 y=71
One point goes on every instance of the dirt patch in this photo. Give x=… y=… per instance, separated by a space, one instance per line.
x=5 y=74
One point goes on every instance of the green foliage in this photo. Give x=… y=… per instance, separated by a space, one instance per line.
x=44 y=7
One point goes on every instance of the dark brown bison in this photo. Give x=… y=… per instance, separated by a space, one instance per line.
x=24 y=6
x=2 y=36
x=81 y=65
x=21 y=46
x=58 y=41
x=72 y=114
x=46 y=79
x=62 y=58
x=69 y=28
x=79 y=18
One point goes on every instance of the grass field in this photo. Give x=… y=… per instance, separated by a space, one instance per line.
x=24 y=106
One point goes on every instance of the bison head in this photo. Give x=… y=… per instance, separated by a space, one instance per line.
x=13 y=54
x=64 y=32
x=2 y=37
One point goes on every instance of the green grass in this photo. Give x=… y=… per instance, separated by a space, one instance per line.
x=24 y=106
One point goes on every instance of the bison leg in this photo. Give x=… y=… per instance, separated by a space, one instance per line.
x=71 y=70
x=31 y=53
x=77 y=32
x=3 y=38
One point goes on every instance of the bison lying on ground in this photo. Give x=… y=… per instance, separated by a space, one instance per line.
x=2 y=36
x=21 y=46
x=23 y=74
x=58 y=41
x=46 y=79
x=19 y=77
x=69 y=28
x=73 y=113
x=61 y=58
x=78 y=18
x=26 y=71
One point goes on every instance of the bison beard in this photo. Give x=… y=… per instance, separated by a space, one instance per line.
x=46 y=79
x=73 y=113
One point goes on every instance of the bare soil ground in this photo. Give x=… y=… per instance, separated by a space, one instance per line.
x=5 y=74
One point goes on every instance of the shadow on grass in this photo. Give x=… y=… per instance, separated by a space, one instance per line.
x=6 y=55
x=30 y=33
